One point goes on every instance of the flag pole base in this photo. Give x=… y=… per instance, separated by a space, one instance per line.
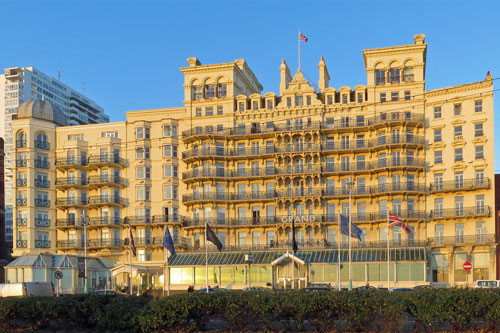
x=350 y=285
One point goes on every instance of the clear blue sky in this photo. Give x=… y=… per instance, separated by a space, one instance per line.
x=128 y=53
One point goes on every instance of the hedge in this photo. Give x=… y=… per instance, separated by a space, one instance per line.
x=429 y=310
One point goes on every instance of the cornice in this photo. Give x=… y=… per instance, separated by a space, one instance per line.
x=459 y=88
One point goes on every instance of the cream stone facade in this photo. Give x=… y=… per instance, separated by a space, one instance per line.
x=248 y=163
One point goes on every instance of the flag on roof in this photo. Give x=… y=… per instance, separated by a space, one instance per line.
x=344 y=228
x=393 y=220
x=302 y=37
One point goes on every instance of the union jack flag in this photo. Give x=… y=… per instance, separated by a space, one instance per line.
x=132 y=243
x=393 y=220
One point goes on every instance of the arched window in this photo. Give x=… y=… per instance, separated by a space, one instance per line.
x=197 y=93
x=42 y=141
x=21 y=139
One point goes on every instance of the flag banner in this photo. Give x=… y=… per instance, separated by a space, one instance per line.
x=81 y=267
x=132 y=243
x=211 y=237
x=295 y=247
x=304 y=38
x=396 y=221
x=168 y=243
x=344 y=228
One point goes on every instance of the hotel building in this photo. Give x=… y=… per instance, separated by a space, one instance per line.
x=247 y=163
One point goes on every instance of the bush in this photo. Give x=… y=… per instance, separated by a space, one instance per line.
x=429 y=310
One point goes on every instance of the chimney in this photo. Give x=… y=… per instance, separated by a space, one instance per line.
x=286 y=77
x=324 y=76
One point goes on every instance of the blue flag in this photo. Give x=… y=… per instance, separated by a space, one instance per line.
x=344 y=228
x=168 y=243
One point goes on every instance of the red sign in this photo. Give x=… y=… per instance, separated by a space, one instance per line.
x=467 y=266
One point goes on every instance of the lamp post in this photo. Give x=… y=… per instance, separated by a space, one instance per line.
x=350 y=183
x=85 y=222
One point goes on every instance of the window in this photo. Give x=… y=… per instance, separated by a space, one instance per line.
x=289 y=101
x=360 y=97
x=170 y=191
x=458 y=132
x=459 y=155
x=209 y=111
x=479 y=177
x=344 y=99
x=478 y=129
x=104 y=135
x=142 y=152
x=209 y=91
x=329 y=100
x=457 y=109
x=298 y=100
x=408 y=74
x=198 y=112
x=379 y=77
x=308 y=100
x=480 y=204
x=242 y=238
x=407 y=95
x=437 y=135
x=142 y=193
x=382 y=97
x=438 y=207
x=437 y=112
x=221 y=90
x=139 y=132
x=394 y=96
x=169 y=151
x=169 y=171
x=143 y=172
x=394 y=75
x=438 y=156
x=197 y=93
x=269 y=104
x=255 y=105
x=479 y=152
x=170 y=130
x=241 y=106
x=478 y=106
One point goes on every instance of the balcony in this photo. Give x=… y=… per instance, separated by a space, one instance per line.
x=22 y=244
x=299 y=192
x=70 y=162
x=22 y=202
x=21 y=182
x=207 y=152
x=381 y=189
x=42 y=222
x=21 y=144
x=106 y=160
x=72 y=244
x=361 y=144
x=69 y=182
x=42 y=202
x=21 y=221
x=102 y=243
x=156 y=219
x=42 y=164
x=459 y=240
x=460 y=185
x=374 y=166
x=460 y=212
x=42 y=244
x=104 y=221
x=69 y=223
x=229 y=173
x=42 y=183
x=71 y=202
x=228 y=196
x=292 y=170
x=107 y=200
x=106 y=180
x=298 y=148
x=42 y=145
x=20 y=162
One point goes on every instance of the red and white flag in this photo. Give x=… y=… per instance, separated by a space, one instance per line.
x=302 y=37
x=396 y=221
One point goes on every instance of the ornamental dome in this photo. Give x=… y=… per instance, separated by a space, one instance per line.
x=42 y=110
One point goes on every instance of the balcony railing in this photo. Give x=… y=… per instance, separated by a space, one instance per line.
x=298 y=148
x=42 y=244
x=106 y=159
x=106 y=180
x=22 y=202
x=299 y=192
x=71 y=201
x=70 y=162
x=70 y=244
x=229 y=173
x=376 y=189
x=42 y=164
x=104 y=242
x=104 y=221
x=344 y=123
x=21 y=221
x=42 y=183
x=461 y=212
x=462 y=240
x=372 y=143
x=156 y=219
x=298 y=169
x=21 y=162
x=460 y=185
x=69 y=223
x=373 y=165
x=71 y=181
x=21 y=182
x=42 y=202
x=22 y=244
x=21 y=143
x=42 y=222
x=229 y=196
x=107 y=200
x=42 y=145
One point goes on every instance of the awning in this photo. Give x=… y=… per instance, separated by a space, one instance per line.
x=287 y=256
x=320 y=256
x=136 y=269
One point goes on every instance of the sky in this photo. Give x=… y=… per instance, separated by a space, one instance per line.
x=125 y=54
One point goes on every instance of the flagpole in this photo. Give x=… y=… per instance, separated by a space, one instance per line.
x=130 y=259
x=340 y=239
x=293 y=254
x=168 y=272
x=350 y=233
x=298 y=45
x=388 y=253
x=206 y=256
x=164 y=273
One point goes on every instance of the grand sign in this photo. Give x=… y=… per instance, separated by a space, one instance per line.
x=298 y=218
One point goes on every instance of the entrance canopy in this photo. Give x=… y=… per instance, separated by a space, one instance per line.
x=136 y=269
x=319 y=256
x=287 y=256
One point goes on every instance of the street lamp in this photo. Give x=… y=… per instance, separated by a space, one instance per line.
x=350 y=183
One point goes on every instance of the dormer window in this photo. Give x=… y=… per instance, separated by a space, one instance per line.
x=408 y=74
x=379 y=77
x=360 y=97
x=289 y=101
x=241 y=106
x=209 y=91
x=308 y=100
x=329 y=100
x=298 y=100
x=197 y=93
x=344 y=99
x=221 y=90
x=269 y=104
x=255 y=105
x=394 y=77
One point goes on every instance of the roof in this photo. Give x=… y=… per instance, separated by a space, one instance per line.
x=55 y=261
x=321 y=256
x=42 y=110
